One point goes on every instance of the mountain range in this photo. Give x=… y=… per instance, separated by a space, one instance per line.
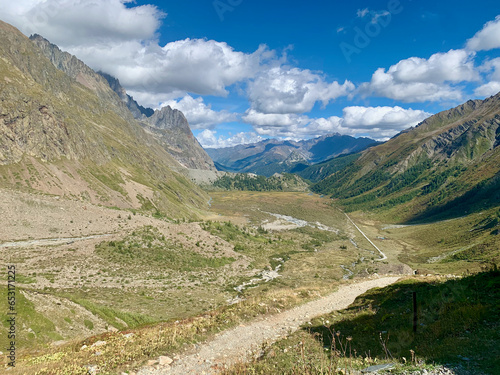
x=447 y=166
x=275 y=156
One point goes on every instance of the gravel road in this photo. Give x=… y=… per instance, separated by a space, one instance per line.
x=240 y=342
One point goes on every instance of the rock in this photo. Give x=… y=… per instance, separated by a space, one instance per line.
x=91 y=369
x=376 y=368
x=151 y=362
x=164 y=360
x=172 y=130
x=98 y=343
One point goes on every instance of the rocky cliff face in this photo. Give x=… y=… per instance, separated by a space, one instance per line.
x=137 y=110
x=71 y=135
x=170 y=128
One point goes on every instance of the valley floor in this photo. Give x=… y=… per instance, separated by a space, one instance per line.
x=85 y=273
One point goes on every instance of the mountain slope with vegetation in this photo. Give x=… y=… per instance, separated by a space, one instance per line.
x=447 y=166
x=252 y=182
x=320 y=171
x=72 y=136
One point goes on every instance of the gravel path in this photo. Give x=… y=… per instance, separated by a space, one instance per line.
x=240 y=342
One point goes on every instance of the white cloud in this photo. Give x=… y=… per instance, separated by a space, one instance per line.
x=208 y=139
x=204 y=67
x=418 y=80
x=392 y=119
x=376 y=122
x=75 y=22
x=488 y=89
x=199 y=114
x=491 y=68
x=362 y=12
x=122 y=41
x=379 y=14
x=452 y=66
x=291 y=90
x=487 y=38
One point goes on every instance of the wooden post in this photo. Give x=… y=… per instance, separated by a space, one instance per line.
x=415 y=319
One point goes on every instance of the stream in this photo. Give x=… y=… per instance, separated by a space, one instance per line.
x=265 y=276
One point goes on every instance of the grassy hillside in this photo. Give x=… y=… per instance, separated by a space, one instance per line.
x=320 y=171
x=443 y=174
x=59 y=137
x=457 y=326
x=249 y=182
x=446 y=167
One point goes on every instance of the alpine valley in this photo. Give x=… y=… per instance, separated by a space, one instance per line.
x=136 y=251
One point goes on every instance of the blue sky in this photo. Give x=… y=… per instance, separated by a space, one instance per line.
x=244 y=70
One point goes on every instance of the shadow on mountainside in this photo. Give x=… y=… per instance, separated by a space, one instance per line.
x=483 y=196
x=458 y=323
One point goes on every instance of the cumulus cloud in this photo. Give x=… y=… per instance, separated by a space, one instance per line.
x=487 y=38
x=491 y=68
x=419 y=80
x=199 y=114
x=488 y=89
x=74 y=22
x=387 y=119
x=204 y=67
x=376 y=122
x=208 y=139
x=121 y=40
x=291 y=90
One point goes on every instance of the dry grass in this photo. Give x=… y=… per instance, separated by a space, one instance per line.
x=125 y=352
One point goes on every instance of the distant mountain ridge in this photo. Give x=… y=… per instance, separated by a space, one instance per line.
x=448 y=163
x=276 y=156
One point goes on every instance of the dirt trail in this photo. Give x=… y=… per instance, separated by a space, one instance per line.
x=50 y=241
x=238 y=343
x=384 y=257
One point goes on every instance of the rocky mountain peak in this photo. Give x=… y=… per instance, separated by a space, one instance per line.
x=172 y=129
x=168 y=118
x=168 y=125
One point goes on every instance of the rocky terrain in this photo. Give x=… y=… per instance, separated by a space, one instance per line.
x=168 y=126
x=67 y=133
x=245 y=341
x=171 y=129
